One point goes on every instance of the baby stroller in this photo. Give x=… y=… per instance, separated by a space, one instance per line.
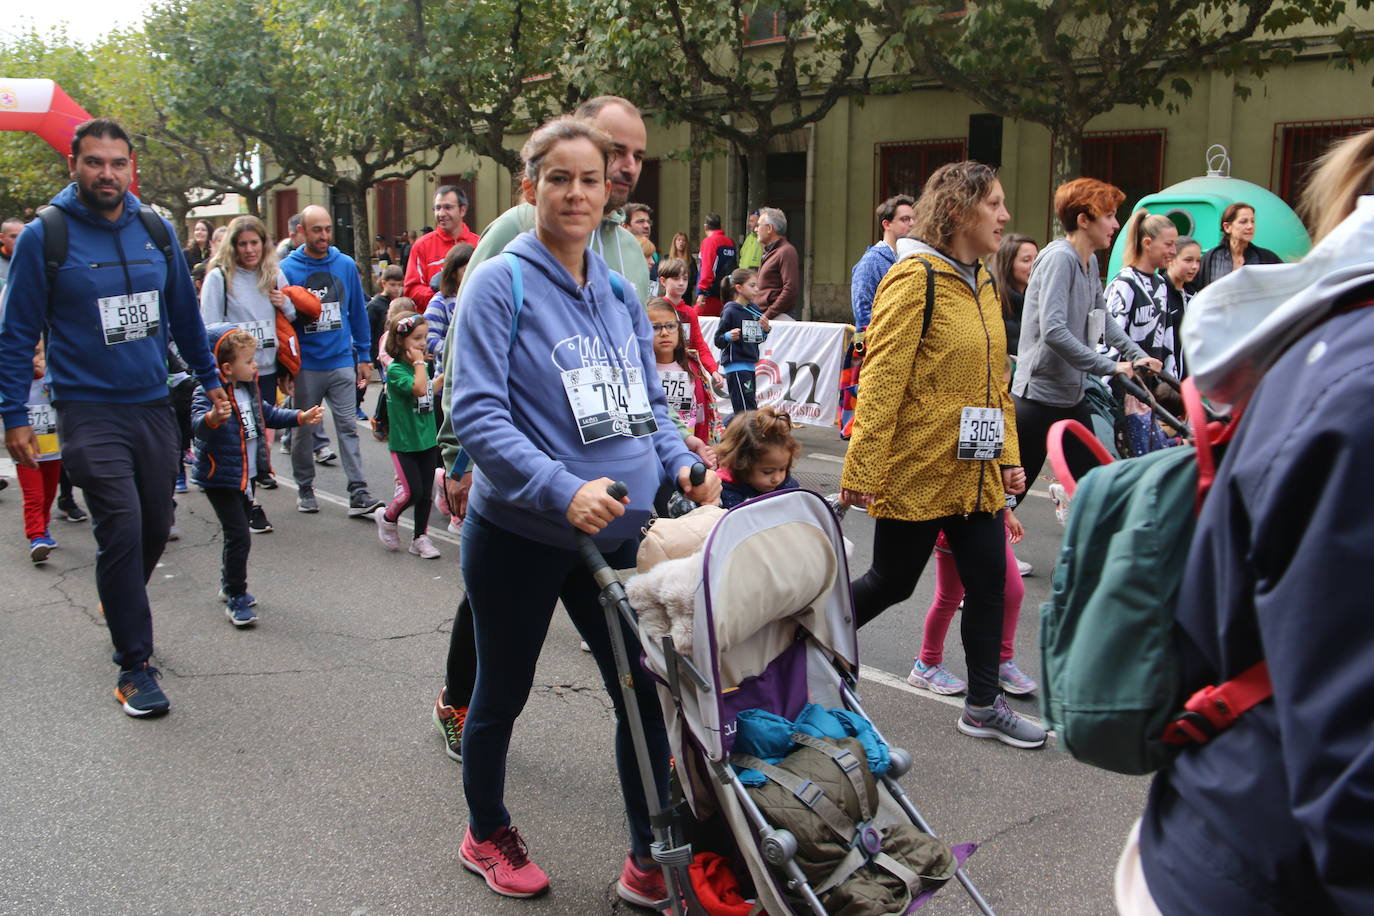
x=770 y=626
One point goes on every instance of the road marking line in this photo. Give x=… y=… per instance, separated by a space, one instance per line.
x=879 y=676
x=402 y=521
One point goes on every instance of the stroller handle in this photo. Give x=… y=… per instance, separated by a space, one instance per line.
x=1144 y=395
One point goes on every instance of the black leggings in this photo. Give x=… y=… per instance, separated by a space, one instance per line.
x=415 y=471
x=462 y=658
x=232 y=507
x=900 y=552
x=1033 y=422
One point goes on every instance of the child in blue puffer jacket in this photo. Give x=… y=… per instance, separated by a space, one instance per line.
x=226 y=456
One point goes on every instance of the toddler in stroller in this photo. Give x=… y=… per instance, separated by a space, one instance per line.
x=751 y=642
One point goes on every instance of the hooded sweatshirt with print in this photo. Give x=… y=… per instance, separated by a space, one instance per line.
x=105 y=259
x=511 y=412
x=341 y=337
x=611 y=240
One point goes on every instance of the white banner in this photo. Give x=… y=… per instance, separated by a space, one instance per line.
x=798 y=369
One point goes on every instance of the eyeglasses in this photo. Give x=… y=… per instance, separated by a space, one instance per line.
x=666 y=327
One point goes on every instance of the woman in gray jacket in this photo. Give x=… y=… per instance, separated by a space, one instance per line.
x=1064 y=320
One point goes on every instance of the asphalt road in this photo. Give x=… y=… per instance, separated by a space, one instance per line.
x=299 y=772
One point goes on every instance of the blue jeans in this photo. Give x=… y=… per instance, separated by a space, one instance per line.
x=513 y=584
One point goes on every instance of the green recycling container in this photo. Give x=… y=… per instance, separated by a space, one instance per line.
x=1196 y=206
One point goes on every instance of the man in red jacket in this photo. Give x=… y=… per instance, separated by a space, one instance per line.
x=427 y=254
x=718 y=258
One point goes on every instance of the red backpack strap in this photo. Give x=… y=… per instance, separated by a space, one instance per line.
x=1212 y=710
x=1054 y=447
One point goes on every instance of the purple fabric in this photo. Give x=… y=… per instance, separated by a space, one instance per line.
x=780 y=689
x=961 y=854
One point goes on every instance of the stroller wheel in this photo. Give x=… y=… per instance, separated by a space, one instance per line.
x=779 y=847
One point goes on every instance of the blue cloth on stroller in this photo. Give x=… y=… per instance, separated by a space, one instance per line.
x=768 y=736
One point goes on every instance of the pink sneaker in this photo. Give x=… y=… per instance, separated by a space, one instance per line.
x=504 y=861
x=386 y=531
x=641 y=886
x=424 y=548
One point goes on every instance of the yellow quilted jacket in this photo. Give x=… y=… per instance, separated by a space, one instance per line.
x=912 y=390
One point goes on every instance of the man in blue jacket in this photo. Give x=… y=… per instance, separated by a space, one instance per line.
x=335 y=356
x=107 y=315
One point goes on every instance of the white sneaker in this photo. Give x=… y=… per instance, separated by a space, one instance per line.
x=424 y=548
x=455 y=526
x=386 y=531
x=1024 y=568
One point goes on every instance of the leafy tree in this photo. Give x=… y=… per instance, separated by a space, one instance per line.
x=294 y=77
x=1063 y=62
x=31 y=171
x=692 y=61
x=470 y=73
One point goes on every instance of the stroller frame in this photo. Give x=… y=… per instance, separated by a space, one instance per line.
x=777 y=847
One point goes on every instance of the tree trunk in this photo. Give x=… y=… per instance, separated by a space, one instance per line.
x=694 y=186
x=178 y=211
x=253 y=200
x=362 y=234
x=1066 y=156
x=757 y=157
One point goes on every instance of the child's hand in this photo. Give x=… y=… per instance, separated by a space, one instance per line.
x=415 y=354
x=735 y=334
x=1015 y=529
x=438 y=381
x=763 y=323
x=313 y=415
x=222 y=411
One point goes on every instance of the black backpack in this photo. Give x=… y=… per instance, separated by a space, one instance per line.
x=55 y=237
x=727 y=259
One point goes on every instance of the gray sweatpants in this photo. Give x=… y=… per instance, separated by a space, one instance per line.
x=339 y=388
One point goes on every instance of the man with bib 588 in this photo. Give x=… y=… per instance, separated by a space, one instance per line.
x=115 y=297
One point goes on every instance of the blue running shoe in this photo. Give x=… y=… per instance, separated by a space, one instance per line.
x=224 y=598
x=40 y=547
x=362 y=416
x=181 y=481
x=139 y=694
x=240 y=610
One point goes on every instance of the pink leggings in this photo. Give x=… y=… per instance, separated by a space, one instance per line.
x=949 y=591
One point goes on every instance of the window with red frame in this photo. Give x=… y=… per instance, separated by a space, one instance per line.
x=1300 y=144
x=764 y=25
x=285 y=204
x=469 y=186
x=391 y=210
x=904 y=167
x=1133 y=160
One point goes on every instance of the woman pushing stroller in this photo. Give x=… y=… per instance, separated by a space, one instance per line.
x=555 y=397
x=935 y=446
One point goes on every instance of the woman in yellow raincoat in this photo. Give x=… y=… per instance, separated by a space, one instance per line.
x=934 y=445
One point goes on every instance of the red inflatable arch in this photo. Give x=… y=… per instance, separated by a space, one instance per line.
x=41 y=107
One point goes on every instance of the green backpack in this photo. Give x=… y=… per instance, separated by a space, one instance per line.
x=1111 y=686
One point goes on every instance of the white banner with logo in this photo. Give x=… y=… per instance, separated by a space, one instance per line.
x=798 y=369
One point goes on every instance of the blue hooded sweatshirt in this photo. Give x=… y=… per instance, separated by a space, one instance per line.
x=105 y=260
x=510 y=409
x=342 y=337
